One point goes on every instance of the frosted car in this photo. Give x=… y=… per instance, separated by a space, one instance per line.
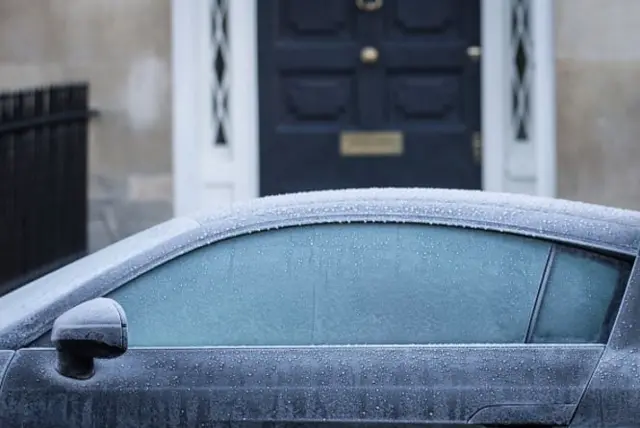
x=346 y=308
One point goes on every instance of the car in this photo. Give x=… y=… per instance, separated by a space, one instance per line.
x=339 y=308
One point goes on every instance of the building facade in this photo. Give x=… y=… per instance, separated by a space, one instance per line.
x=205 y=102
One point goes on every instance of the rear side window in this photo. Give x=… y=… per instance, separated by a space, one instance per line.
x=580 y=298
x=341 y=284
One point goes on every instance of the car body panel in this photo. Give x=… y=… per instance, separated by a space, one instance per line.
x=195 y=387
x=30 y=311
x=524 y=415
x=613 y=394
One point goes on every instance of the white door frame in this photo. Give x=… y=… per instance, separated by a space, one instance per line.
x=203 y=174
x=544 y=96
x=186 y=125
x=206 y=176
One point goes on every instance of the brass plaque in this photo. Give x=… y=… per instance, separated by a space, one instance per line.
x=371 y=143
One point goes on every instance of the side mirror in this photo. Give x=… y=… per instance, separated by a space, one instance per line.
x=94 y=329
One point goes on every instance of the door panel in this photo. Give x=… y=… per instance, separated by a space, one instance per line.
x=313 y=85
x=189 y=387
x=612 y=395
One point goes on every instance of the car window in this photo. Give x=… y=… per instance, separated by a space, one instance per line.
x=581 y=297
x=341 y=284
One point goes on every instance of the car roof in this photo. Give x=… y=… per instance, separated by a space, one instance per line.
x=590 y=225
x=29 y=311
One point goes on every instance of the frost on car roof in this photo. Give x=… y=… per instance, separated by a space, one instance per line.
x=573 y=222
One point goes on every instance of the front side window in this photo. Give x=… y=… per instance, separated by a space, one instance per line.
x=341 y=284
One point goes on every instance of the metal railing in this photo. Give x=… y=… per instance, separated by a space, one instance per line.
x=43 y=180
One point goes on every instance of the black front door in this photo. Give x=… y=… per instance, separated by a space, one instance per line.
x=399 y=70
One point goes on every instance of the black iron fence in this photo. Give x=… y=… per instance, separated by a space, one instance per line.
x=43 y=180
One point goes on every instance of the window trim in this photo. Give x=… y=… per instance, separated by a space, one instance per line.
x=613 y=308
x=542 y=289
x=612 y=313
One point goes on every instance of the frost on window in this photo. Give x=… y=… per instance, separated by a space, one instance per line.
x=521 y=69
x=220 y=81
x=341 y=284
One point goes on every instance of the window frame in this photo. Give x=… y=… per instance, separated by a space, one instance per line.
x=613 y=308
x=555 y=246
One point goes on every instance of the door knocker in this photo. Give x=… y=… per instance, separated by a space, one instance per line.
x=369 y=5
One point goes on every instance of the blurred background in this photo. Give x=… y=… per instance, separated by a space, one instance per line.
x=116 y=115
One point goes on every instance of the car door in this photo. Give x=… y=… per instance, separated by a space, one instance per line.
x=343 y=323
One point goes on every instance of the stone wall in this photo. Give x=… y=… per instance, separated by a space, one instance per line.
x=123 y=48
x=598 y=100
